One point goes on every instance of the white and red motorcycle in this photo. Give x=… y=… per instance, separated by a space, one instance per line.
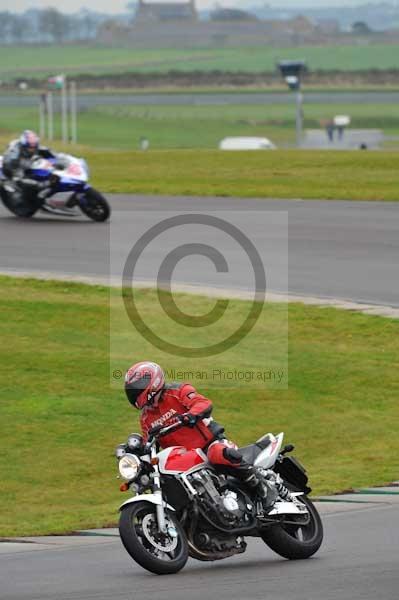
x=183 y=506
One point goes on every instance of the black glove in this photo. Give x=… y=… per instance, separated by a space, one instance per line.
x=188 y=419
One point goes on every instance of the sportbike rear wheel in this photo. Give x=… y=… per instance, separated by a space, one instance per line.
x=16 y=205
x=296 y=541
x=160 y=553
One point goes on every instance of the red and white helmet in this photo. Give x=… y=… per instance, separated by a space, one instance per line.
x=144 y=383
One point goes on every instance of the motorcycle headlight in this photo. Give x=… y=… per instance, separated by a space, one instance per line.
x=129 y=467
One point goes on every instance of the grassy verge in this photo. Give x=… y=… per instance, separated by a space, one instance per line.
x=43 y=61
x=200 y=126
x=280 y=174
x=60 y=420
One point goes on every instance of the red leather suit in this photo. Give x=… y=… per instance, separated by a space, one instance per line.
x=177 y=399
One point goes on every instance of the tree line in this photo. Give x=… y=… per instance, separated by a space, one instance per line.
x=48 y=25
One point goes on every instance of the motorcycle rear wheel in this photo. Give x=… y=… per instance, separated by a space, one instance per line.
x=23 y=210
x=296 y=542
x=95 y=206
x=160 y=554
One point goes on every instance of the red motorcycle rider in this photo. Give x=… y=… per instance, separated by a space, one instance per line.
x=163 y=404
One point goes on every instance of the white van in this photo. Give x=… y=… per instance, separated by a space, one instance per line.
x=246 y=143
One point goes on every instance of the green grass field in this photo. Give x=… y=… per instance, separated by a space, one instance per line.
x=274 y=174
x=60 y=419
x=277 y=174
x=167 y=127
x=181 y=159
x=39 y=62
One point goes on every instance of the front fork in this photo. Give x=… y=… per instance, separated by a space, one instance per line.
x=160 y=508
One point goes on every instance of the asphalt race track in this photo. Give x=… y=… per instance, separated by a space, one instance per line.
x=86 y=101
x=346 y=250
x=358 y=561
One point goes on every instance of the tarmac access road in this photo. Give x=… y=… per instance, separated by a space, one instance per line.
x=336 y=249
x=357 y=561
x=86 y=100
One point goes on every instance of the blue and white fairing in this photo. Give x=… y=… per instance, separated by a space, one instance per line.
x=69 y=173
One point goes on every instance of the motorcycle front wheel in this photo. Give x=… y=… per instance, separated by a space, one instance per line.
x=160 y=553
x=296 y=541
x=94 y=205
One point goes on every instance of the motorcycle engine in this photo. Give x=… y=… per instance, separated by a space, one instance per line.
x=231 y=504
x=227 y=506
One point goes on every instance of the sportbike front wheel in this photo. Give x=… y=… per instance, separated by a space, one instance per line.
x=160 y=553
x=94 y=205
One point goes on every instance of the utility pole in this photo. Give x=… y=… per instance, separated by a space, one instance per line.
x=50 y=116
x=64 y=110
x=42 y=115
x=74 y=111
x=292 y=71
x=299 y=117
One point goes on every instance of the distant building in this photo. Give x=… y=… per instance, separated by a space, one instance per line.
x=328 y=26
x=232 y=14
x=299 y=25
x=177 y=25
x=161 y=12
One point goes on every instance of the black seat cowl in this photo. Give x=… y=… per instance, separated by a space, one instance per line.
x=251 y=452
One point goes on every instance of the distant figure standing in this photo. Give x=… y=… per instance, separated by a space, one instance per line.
x=340 y=129
x=340 y=122
x=330 y=128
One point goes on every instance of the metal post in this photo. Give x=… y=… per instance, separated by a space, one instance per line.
x=42 y=115
x=292 y=71
x=64 y=110
x=299 y=117
x=50 y=116
x=74 y=110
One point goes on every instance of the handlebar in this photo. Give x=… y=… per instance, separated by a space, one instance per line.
x=161 y=430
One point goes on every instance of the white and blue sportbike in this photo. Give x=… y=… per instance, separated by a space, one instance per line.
x=36 y=189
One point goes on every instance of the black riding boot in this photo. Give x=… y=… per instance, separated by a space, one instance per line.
x=259 y=485
x=266 y=490
x=248 y=474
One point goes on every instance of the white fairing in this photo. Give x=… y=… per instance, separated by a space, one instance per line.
x=268 y=456
x=75 y=168
x=151 y=498
x=42 y=164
